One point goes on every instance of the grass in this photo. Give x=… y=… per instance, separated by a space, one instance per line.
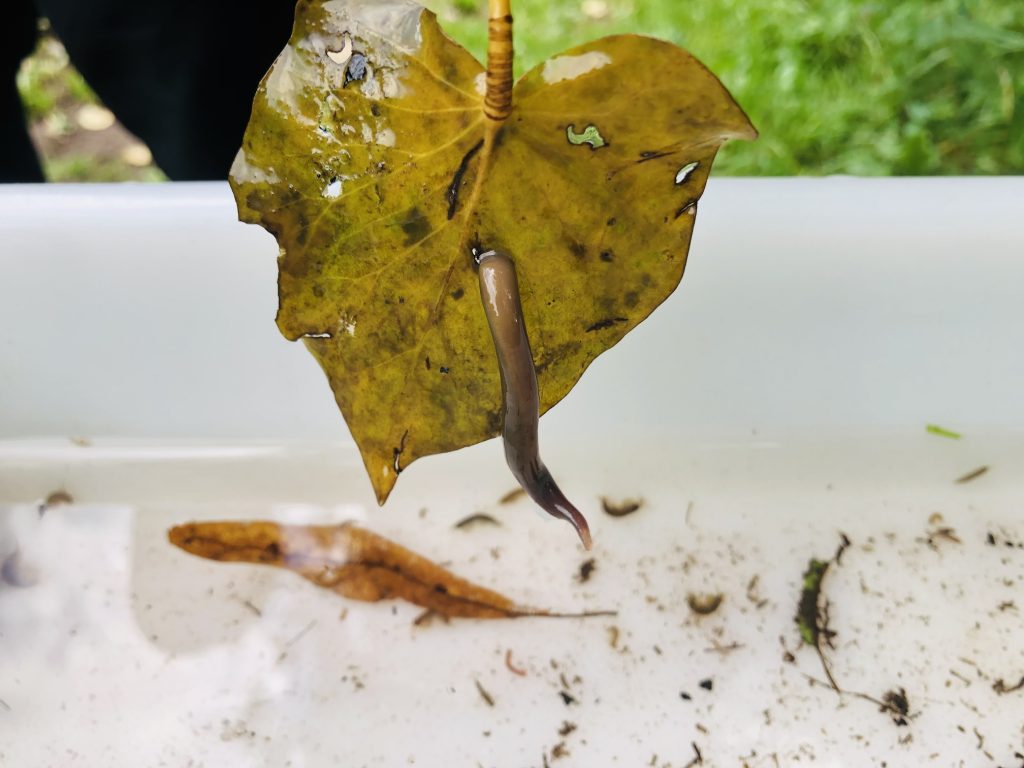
x=54 y=94
x=864 y=87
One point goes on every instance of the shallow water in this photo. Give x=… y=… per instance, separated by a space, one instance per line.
x=117 y=649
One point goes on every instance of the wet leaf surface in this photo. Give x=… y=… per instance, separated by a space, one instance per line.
x=370 y=159
x=352 y=561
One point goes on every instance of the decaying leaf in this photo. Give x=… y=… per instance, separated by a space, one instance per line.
x=372 y=158
x=353 y=562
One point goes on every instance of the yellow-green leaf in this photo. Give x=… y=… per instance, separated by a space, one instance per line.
x=370 y=158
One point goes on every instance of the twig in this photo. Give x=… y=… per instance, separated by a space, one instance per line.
x=484 y=694
x=294 y=640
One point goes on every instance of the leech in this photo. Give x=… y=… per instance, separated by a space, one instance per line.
x=499 y=291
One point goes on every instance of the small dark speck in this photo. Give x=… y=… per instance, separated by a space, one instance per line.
x=587 y=568
x=428 y=363
x=375 y=110
x=607 y=256
x=898 y=705
x=600 y=325
x=611 y=221
x=685 y=696
x=458 y=293
x=567 y=698
x=708 y=684
x=444 y=370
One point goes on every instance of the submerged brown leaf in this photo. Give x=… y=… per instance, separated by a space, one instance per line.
x=371 y=160
x=353 y=562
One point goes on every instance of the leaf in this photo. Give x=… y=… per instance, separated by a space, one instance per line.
x=371 y=160
x=935 y=429
x=353 y=562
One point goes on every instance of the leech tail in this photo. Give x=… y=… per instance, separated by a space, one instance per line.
x=551 y=499
x=499 y=292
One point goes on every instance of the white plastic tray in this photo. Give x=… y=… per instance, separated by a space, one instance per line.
x=778 y=399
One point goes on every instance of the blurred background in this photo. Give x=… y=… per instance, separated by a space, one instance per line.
x=863 y=87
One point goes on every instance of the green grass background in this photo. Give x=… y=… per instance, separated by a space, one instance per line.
x=911 y=87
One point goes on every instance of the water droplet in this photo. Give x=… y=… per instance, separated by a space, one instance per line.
x=685 y=171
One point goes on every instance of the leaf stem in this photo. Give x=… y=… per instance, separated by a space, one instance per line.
x=498 y=100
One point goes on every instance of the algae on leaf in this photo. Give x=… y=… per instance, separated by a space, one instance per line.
x=373 y=158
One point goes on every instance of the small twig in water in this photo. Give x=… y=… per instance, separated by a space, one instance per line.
x=294 y=640
x=972 y=475
x=488 y=699
x=1002 y=688
x=698 y=758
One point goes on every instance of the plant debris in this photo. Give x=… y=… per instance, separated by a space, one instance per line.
x=428 y=617
x=488 y=699
x=753 y=593
x=1001 y=688
x=477 y=519
x=59 y=497
x=939 y=533
x=812 y=619
x=587 y=568
x=935 y=429
x=704 y=605
x=698 y=758
x=613 y=637
x=973 y=475
x=627 y=507
x=808 y=618
x=897 y=705
x=55 y=499
x=513 y=495
x=353 y=562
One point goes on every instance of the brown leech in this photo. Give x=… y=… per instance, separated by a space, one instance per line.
x=499 y=291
